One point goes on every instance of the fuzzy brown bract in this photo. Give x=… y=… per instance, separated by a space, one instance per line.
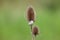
x=30 y=14
x=35 y=30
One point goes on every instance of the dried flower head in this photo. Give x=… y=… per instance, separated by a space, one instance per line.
x=30 y=15
x=35 y=31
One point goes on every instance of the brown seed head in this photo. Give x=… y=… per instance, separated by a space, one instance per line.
x=35 y=31
x=30 y=14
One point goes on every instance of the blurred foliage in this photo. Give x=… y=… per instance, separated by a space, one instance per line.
x=13 y=23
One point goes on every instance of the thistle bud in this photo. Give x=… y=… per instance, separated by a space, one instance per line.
x=35 y=31
x=30 y=15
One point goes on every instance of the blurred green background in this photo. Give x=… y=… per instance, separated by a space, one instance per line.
x=14 y=25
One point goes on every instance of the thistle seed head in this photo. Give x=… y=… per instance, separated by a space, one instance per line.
x=30 y=14
x=35 y=31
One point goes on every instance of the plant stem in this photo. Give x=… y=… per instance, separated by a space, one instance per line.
x=31 y=27
x=33 y=37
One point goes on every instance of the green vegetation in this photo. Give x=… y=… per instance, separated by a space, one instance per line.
x=13 y=24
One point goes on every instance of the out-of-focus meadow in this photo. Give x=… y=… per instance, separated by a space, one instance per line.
x=14 y=25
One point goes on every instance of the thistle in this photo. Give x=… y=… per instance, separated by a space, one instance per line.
x=30 y=16
x=31 y=20
x=35 y=31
